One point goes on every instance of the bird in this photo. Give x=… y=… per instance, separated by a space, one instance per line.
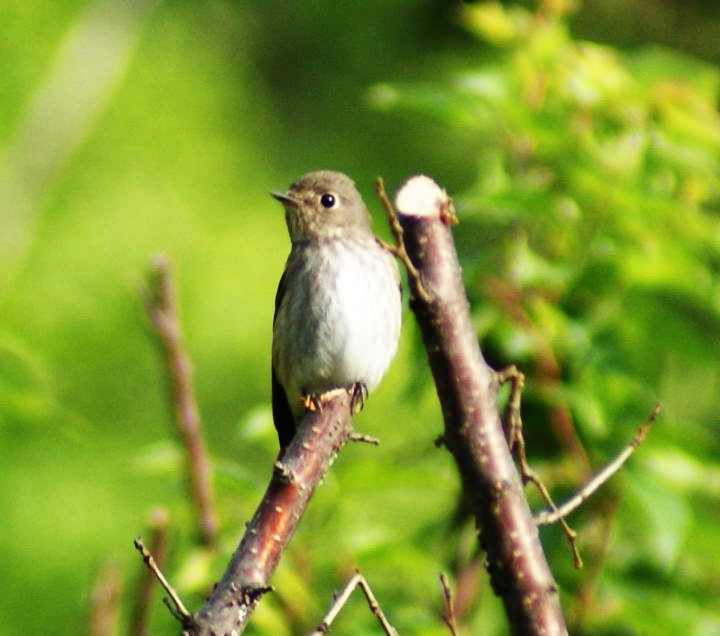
x=338 y=304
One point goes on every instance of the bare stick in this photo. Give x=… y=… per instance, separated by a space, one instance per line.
x=559 y=513
x=178 y=608
x=467 y=388
x=140 y=619
x=516 y=440
x=105 y=601
x=161 y=305
x=358 y=580
x=448 y=613
x=296 y=474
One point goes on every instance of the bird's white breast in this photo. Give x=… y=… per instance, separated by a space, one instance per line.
x=339 y=321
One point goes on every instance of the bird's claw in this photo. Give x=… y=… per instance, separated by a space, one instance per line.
x=312 y=402
x=358 y=395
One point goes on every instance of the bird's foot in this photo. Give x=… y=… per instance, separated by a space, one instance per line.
x=312 y=402
x=358 y=395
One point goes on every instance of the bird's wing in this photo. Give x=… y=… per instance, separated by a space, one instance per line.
x=282 y=415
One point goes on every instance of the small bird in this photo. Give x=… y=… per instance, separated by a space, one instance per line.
x=338 y=304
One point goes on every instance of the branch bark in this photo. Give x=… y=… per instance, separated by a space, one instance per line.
x=321 y=434
x=467 y=388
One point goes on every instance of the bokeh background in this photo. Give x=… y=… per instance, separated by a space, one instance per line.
x=581 y=142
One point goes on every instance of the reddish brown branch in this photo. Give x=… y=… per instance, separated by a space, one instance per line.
x=297 y=473
x=162 y=310
x=467 y=388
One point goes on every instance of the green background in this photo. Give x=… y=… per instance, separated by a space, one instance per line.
x=586 y=181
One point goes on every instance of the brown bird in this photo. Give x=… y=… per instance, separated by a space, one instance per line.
x=338 y=304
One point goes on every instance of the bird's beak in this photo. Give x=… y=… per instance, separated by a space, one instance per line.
x=285 y=198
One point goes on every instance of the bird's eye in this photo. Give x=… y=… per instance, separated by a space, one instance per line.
x=328 y=200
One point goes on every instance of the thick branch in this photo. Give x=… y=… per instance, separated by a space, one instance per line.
x=297 y=473
x=162 y=310
x=467 y=388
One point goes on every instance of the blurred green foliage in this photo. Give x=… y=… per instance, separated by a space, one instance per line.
x=586 y=180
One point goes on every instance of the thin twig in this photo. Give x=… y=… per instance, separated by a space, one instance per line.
x=516 y=441
x=178 y=609
x=512 y=422
x=448 y=613
x=140 y=619
x=161 y=303
x=559 y=513
x=398 y=249
x=339 y=600
x=365 y=439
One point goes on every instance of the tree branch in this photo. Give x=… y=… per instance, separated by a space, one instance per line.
x=321 y=434
x=467 y=388
x=161 y=304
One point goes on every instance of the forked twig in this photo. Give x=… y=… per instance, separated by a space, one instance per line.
x=558 y=513
x=357 y=580
x=516 y=441
x=513 y=426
